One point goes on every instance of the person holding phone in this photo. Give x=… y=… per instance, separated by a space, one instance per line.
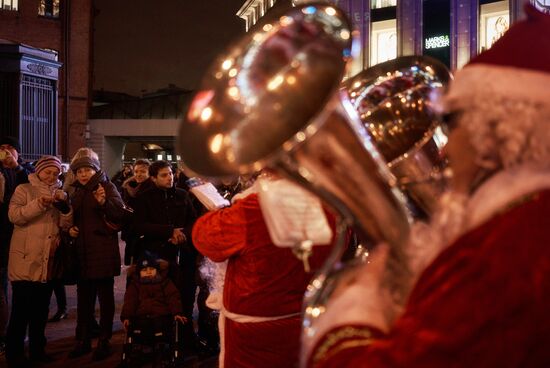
x=38 y=210
x=13 y=171
x=96 y=202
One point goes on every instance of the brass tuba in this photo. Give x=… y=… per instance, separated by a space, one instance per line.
x=274 y=100
x=398 y=102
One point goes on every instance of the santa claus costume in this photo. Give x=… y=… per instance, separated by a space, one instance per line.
x=481 y=297
x=260 y=314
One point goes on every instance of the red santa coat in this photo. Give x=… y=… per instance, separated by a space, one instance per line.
x=483 y=302
x=262 y=280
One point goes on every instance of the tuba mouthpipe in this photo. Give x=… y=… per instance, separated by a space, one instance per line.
x=340 y=164
x=435 y=176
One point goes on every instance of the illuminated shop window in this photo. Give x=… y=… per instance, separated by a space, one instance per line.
x=377 y=4
x=383 y=41
x=542 y=5
x=252 y=10
x=49 y=8
x=494 y=19
x=9 y=4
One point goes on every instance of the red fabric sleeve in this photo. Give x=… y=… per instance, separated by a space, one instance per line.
x=483 y=302
x=221 y=234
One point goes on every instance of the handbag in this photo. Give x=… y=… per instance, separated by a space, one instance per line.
x=122 y=217
x=65 y=261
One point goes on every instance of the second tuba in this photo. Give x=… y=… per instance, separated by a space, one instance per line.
x=399 y=104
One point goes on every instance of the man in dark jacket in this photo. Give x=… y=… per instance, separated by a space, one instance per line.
x=164 y=216
x=13 y=172
x=131 y=190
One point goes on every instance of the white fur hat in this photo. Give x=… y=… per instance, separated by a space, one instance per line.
x=503 y=96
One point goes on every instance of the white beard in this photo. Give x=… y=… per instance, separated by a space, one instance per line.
x=428 y=240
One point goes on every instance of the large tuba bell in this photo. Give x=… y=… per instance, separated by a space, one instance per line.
x=273 y=101
x=399 y=104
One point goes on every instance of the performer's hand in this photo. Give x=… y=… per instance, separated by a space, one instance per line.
x=73 y=232
x=99 y=195
x=178 y=236
x=126 y=323
x=180 y=319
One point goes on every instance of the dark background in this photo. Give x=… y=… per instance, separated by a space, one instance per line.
x=142 y=46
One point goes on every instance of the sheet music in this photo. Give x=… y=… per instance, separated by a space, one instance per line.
x=292 y=214
x=208 y=195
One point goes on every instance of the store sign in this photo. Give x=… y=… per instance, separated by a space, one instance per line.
x=436 y=29
x=437 y=42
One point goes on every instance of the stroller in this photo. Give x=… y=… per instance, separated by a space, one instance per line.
x=152 y=341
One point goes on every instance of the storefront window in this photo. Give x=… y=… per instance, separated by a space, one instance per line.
x=494 y=19
x=8 y=4
x=383 y=41
x=377 y=4
x=542 y=5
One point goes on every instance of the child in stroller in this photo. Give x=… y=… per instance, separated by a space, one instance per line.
x=150 y=314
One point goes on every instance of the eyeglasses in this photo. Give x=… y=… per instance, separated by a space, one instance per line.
x=451 y=119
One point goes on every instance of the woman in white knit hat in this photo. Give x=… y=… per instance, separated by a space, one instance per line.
x=38 y=210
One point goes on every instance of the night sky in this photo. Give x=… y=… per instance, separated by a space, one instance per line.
x=141 y=46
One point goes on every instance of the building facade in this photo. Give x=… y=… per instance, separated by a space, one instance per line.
x=452 y=31
x=61 y=28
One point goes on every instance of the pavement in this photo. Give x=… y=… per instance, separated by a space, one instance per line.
x=60 y=335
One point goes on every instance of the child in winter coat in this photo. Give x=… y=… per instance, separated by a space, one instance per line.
x=38 y=210
x=151 y=297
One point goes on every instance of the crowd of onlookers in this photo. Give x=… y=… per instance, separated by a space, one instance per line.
x=61 y=228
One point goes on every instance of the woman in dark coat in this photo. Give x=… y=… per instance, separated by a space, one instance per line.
x=97 y=206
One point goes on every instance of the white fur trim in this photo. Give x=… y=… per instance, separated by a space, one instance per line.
x=501 y=190
x=221 y=330
x=358 y=298
x=458 y=214
x=506 y=112
x=243 y=318
x=484 y=80
x=214 y=274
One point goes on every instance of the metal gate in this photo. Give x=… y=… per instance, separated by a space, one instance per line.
x=38 y=129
